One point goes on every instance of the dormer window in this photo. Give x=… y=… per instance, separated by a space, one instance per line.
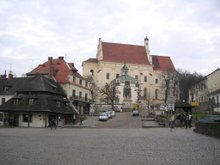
x=6 y=88
x=58 y=103
x=30 y=101
x=16 y=101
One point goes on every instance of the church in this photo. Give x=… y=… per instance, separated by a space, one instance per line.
x=140 y=72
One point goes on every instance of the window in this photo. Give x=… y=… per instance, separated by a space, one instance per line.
x=16 y=101
x=92 y=72
x=156 y=81
x=3 y=100
x=58 y=103
x=86 y=84
x=80 y=81
x=30 y=101
x=74 y=93
x=117 y=75
x=86 y=96
x=107 y=75
x=1 y=116
x=136 y=76
x=74 y=79
x=80 y=94
x=6 y=88
x=145 y=92
x=145 y=78
x=156 y=94
x=27 y=118
x=127 y=83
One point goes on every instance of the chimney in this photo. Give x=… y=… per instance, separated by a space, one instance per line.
x=61 y=58
x=50 y=59
x=51 y=67
x=10 y=75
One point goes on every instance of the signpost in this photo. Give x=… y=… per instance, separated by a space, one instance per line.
x=171 y=103
x=195 y=104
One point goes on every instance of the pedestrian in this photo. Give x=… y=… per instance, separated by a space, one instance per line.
x=52 y=124
x=186 y=120
x=172 y=122
x=189 y=120
x=81 y=119
x=181 y=118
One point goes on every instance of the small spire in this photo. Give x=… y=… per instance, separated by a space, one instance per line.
x=146 y=38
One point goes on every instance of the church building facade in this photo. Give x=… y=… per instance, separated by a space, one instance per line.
x=144 y=69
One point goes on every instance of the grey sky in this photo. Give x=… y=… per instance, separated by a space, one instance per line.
x=32 y=30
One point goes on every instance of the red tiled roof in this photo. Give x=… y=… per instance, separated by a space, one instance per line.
x=162 y=63
x=115 y=52
x=133 y=54
x=60 y=68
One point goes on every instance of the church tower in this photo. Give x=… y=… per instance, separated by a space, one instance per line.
x=146 y=45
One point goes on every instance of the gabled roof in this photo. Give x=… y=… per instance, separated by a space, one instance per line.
x=132 y=54
x=116 y=52
x=58 y=68
x=162 y=63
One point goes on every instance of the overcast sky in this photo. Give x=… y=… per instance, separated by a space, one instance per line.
x=33 y=30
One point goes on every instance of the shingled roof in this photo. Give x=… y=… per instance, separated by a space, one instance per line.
x=58 y=68
x=37 y=83
x=45 y=92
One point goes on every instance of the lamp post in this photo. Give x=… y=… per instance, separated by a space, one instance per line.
x=138 y=90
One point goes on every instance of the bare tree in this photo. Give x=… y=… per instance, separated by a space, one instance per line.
x=93 y=88
x=170 y=84
x=108 y=93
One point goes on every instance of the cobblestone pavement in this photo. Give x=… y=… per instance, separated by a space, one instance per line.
x=108 y=146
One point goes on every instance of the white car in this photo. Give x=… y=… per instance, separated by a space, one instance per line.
x=103 y=116
x=135 y=112
x=112 y=113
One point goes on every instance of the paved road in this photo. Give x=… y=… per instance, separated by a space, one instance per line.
x=121 y=120
x=121 y=146
x=107 y=146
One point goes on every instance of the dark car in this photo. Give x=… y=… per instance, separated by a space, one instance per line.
x=116 y=109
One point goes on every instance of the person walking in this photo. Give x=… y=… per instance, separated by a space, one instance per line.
x=52 y=124
x=189 y=120
x=186 y=120
x=172 y=122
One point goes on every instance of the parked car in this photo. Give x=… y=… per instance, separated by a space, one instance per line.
x=135 y=112
x=116 y=109
x=103 y=116
x=112 y=113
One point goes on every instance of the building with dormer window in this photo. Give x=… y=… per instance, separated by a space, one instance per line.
x=76 y=86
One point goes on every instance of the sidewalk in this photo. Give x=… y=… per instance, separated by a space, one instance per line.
x=90 y=122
